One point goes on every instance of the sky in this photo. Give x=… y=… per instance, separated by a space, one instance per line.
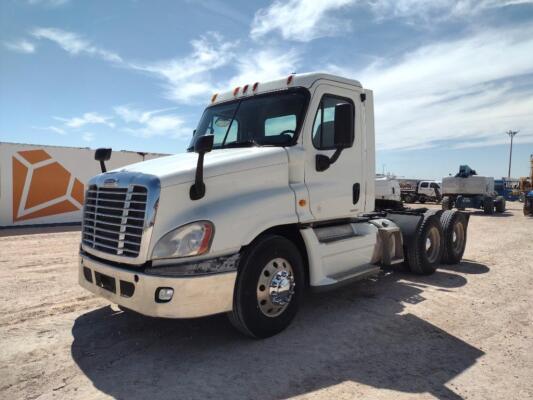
x=449 y=77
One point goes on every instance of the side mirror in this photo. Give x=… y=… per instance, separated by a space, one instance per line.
x=344 y=135
x=344 y=124
x=102 y=155
x=202 y=145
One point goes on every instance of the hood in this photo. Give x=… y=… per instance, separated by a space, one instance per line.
x=181 y=168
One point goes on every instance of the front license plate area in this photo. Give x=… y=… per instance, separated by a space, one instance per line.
x=106 y=282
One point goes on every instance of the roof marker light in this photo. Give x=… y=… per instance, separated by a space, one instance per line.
x=254 y=87
x=214 y=97
x=244 y=89
x=289 y=79
x=236 y=90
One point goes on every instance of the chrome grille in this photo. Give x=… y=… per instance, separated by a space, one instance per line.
x=113 y=219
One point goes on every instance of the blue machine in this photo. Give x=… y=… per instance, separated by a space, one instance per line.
x=504 y=188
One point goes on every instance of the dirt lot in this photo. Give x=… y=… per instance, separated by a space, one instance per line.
x=465 y=332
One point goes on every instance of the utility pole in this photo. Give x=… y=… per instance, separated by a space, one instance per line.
x=511 y=135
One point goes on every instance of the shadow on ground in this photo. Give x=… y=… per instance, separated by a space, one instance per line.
x=355 y=334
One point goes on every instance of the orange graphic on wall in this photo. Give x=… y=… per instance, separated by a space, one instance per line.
x=42 y=187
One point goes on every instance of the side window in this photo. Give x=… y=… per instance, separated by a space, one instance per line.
x=424 y=184
x=220 y=125
x=286 y=123
x=324 y=125
x=434 y=185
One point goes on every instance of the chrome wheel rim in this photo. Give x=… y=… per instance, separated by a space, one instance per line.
x=433 y=245
x=275 y=287
x=458 y=237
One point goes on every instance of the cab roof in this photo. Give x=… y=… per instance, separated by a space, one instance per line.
x=294 y=80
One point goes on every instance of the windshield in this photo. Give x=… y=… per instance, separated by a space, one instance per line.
x=273 y=119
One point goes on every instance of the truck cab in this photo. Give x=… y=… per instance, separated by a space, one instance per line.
x=275 y=194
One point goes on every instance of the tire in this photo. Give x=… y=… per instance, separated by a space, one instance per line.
x=408 y=198
x=256 y=312
x=447 y=203
x=424 y=253
x=454 y=228
x=488 y=205
x=500 y=204
x=422 y=199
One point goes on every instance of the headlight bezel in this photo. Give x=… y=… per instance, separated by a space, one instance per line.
x=204 y=244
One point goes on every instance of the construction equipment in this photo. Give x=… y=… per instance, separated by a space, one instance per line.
x=526 y=182
x=468 y=190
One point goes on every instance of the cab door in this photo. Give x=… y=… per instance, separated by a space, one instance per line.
x=337 y=191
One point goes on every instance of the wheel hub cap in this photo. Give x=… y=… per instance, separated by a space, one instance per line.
x=281 y=288
x=275 y=287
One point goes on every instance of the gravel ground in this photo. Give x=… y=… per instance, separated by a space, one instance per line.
x=462 y=333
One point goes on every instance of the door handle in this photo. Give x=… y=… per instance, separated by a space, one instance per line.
x=356 y=191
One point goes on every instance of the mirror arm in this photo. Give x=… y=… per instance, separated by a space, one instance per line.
x=323 y=162
x=197 y=190
x=102 y=166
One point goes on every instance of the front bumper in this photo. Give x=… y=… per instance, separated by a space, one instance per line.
x=194 y=296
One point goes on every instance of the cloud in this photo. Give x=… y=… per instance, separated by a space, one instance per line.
x=85 y=119
x=21 y=46
x=467 y=90
x=304 y=20
x=88 y=136
x=436 y=9
x=51 y=128
x=300 y=20
x=264 y=65
x=75 y=44
x=188 y=78
x=152 y=123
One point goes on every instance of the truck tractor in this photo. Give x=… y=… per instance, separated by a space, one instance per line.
x=274 y=196
x=468 y=190
x=414 y=190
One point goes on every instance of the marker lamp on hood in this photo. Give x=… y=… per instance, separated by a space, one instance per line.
x=189 y=240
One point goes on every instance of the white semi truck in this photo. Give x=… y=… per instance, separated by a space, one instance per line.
x=275 y=195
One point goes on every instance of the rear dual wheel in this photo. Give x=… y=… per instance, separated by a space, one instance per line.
x=454 y=227
x=269 y=287
x=424 y=253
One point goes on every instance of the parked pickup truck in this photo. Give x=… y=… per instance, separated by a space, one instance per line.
x=274 y=195
x=414 y=190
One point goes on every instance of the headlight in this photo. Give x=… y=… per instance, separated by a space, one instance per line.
x=189 y=240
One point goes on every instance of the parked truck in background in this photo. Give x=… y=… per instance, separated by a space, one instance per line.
x=415 y=190
x=468 y=190
x=387 y=193
x=275 y=195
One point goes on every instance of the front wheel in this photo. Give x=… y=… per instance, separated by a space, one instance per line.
x=269 y=287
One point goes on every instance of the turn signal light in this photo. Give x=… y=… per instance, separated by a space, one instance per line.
x=214 y=97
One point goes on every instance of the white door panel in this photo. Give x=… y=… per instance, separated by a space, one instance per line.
x=331 y=191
